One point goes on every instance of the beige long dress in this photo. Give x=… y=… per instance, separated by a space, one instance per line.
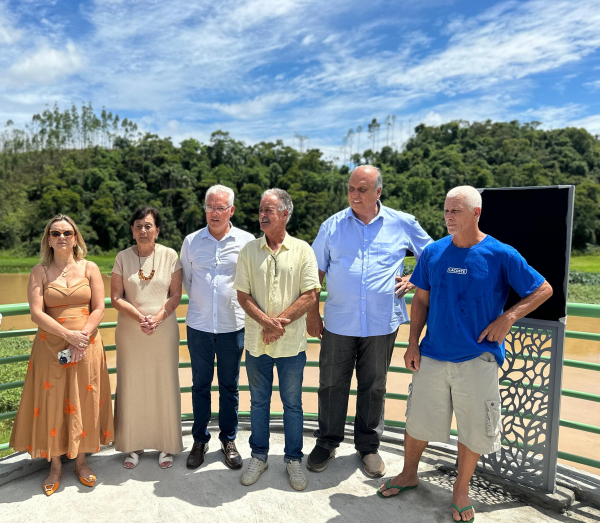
x=147 y=400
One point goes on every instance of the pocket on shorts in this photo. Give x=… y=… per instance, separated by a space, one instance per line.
x=492 y=418
x=408 y=401
x=487 y=357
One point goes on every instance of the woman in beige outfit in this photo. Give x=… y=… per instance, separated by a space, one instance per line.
x=146 y=290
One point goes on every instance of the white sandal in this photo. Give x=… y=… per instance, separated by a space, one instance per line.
x=134 y=458
x=165 y=458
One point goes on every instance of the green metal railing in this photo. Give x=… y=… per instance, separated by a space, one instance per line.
x=573 y=309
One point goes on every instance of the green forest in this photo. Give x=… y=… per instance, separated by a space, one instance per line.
x=98 y=169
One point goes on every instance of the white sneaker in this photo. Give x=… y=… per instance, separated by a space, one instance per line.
x=298 y=480
x=253 y=471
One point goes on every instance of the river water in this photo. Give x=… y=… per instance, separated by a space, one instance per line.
x=13 y=289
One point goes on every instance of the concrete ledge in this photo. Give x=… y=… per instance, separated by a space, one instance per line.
x=559 y=502
x=19 y=465
x=586 y=486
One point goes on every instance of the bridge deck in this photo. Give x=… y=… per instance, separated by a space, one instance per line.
x=214 y=493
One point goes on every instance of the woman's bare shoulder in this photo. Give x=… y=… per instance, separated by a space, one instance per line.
x=38 y=271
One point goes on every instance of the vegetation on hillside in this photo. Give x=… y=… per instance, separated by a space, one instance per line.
x=9 y=399
x=98 y=170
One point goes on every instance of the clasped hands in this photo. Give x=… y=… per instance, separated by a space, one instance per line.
x=273 y=329
x=78 y=342
x=149 y=323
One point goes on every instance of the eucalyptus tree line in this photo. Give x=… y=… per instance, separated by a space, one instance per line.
x=70 y=129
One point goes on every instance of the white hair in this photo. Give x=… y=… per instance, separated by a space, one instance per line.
x=378 y=179
x=285 y=200
x=220 y=189
x=471 y=195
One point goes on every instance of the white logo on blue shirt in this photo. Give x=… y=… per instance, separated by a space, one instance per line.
x=454 y=270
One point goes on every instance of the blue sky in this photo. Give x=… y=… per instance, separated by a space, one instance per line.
x=266 y=69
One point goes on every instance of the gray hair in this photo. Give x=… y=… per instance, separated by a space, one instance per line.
x=285 y=200
x=378 y=179
x=470 y=194
x=220 y=189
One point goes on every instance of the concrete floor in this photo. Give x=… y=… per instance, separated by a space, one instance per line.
x=342 y=493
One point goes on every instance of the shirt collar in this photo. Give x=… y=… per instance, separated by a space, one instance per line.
x=350 y=213
x=285 y=243
x=206 y=234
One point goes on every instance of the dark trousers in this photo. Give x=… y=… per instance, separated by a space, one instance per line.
x=338 y=356
x=228 y=347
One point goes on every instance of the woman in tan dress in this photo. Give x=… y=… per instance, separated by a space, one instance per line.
x=146 y=290
x=66 y=406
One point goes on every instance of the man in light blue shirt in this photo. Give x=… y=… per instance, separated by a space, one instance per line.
x=215 y=322
x=361 y=250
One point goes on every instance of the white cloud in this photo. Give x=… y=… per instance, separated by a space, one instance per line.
x=594 y=85
x=9 y=34
x=268 y=68
x=514 y=43
x=259 y=106
x=554 y=116
x=418 y=38
x=47 y=64
x=591 y=123
x=308 y=39
x=173 y=126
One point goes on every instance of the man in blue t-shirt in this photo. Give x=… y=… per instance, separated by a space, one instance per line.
x=462 y=284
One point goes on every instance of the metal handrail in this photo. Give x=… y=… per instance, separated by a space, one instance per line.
x=576 y=309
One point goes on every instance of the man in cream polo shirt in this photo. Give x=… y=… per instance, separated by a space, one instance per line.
x=277 y=282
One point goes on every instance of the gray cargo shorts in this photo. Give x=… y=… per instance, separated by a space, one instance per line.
x=470 y=389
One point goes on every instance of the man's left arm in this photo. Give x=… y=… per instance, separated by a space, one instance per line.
x=186 y=266
x=301 y=306
x=296 y=310
x=309 y=285
x=500 y=327
x=418 y=239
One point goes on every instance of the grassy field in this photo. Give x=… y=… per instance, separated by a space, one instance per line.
x=579 y=293
x=9 y=399
x=11 y=264
x=586 y=263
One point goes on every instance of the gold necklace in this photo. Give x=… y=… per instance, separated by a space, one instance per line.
x=141 y=272
x=65 y=270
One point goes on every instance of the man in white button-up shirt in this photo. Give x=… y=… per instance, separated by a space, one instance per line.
x=215 y=322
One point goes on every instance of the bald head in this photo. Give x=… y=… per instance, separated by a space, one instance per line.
x=368 y=172
x=364 y=189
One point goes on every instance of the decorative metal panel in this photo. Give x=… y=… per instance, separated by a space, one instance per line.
x=530 y=383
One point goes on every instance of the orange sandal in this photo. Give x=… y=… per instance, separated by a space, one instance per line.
x=88 y=481
x=51 y=488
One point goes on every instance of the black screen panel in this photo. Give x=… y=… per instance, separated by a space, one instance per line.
x=536 y=221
